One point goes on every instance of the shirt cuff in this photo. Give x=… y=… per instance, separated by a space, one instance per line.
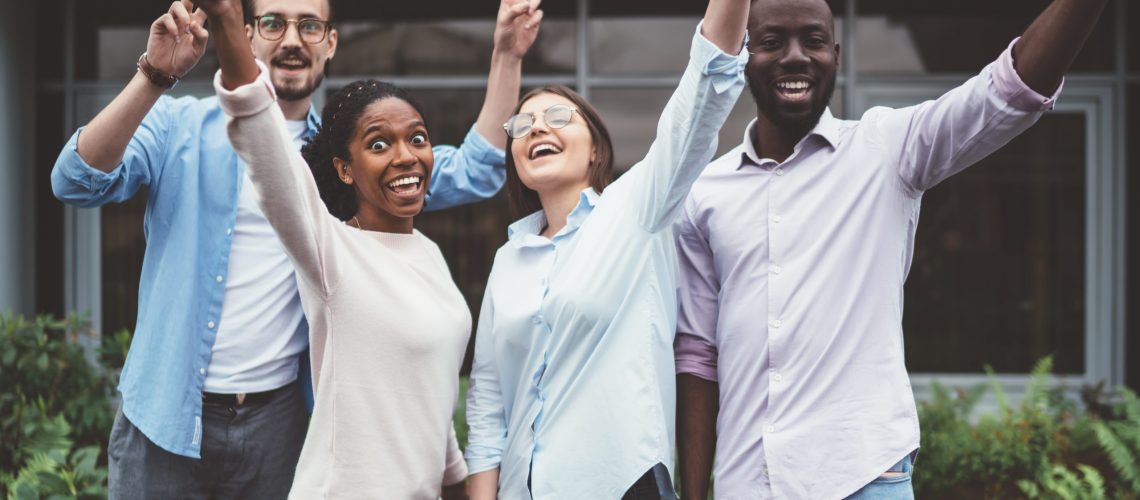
x=481 y=150
x=455 y=473
x=1013 y=90
x=695 y=357
x=724 y=69
x=248 y=99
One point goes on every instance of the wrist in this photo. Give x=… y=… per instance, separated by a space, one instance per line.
x=501 y=56
x=155 y=76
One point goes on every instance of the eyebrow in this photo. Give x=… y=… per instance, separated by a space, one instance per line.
x=382 y=127
x=815 y=26
x=305 y=15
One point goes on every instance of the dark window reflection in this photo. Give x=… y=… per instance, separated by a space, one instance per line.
x=1133 y=34
x=998 y=274
x=1132 y=230
x=956 y=36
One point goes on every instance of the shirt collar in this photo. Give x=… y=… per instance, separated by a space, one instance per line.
x=524 y=232
x=827 y=128
x=313 y=121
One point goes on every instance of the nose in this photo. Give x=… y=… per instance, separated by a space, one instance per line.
x=404 y=157
x=539 y=125
x=795 y=54
x=292 y=36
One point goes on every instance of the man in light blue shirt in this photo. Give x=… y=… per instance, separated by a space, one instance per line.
x=211 y=403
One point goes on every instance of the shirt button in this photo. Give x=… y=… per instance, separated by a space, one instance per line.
x=202 y=371
x=218 y=278
x=777 y=269
x=229 y=231
x=779 y=171
x=770 y=428
x=538 y=319
x=776 y=219
x=210 y=325
x=776 y=323
x=777 y=377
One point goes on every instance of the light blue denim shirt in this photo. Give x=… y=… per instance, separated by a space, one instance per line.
x=182 y=155
x=573 y=381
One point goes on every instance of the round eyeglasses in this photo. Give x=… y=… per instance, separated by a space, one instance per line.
x=556 y=116
x=272 y=27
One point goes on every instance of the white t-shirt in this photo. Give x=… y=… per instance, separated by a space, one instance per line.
x=260 y=334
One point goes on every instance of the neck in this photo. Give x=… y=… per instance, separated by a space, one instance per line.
x=557 y=205
x=771 y=141
x=295 y=110
x=368 y=221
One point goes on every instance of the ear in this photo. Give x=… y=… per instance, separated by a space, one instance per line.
x=342 y=171
x=333 y=36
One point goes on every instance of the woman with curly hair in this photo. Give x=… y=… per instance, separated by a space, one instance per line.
x=388 y=326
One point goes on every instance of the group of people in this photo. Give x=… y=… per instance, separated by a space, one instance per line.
x=744 y=312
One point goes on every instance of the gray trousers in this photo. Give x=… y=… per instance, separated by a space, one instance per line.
x=248 y=451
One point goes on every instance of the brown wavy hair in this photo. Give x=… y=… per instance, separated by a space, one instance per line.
x=524 y=200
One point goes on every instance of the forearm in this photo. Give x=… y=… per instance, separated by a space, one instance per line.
x=104 y=140
x=724 y=24
x=1052 y=42
x=697 y=408
x=234 y=57
x=484 y=485
x=503 y=84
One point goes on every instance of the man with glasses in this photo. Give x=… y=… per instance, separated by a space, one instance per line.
x=212 y=404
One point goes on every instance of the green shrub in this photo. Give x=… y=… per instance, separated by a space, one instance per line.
x=55 y=398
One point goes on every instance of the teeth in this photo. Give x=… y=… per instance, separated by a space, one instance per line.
x=404 y=182
x=793 y=85
x=541 y=148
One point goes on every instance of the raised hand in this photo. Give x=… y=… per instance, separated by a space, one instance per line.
x=517 y=26
x=177 y=39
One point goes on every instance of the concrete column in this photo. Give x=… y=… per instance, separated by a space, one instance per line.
x=17 y=126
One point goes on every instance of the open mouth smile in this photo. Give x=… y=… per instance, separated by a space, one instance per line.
x=794 y=90
x=406 y=186
x=543 y=149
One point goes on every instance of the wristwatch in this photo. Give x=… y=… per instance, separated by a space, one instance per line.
x=160 y=79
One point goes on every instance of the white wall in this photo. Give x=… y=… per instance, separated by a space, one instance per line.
x=17 y=207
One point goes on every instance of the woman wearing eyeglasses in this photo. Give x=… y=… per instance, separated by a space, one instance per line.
x=389 y=327
x=572 y=389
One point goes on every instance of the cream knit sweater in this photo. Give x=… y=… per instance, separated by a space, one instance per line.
x=387 y=326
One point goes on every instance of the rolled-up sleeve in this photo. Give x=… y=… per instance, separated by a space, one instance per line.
x=472 y=172
x=1013 y=90
x=75 y=182
x=694 y=347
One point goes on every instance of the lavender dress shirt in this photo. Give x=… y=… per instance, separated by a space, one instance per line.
x=792 y=286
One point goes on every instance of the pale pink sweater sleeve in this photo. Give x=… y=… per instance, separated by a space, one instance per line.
x=286 y=190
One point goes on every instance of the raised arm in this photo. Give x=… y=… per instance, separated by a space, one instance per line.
x=688 y=128
x=476 y=170
x=176 y=43
x=234 y=57
x=1052 y=42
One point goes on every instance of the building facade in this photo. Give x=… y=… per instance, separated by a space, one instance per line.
x=1022 y=256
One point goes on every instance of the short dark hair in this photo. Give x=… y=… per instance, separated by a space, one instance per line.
x=338 y=126
x=524 y=200
x=251 y=10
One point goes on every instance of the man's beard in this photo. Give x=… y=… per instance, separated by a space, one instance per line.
x=296 y=90
x=791 y=125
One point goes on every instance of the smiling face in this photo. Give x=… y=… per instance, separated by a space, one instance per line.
x=389 y=165
x=793 y=61
x=553 y=159
x=295 y=67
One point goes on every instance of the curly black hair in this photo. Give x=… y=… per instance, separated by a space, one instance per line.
x=338 y=126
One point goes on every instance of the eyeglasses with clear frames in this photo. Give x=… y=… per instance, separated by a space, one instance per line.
x=272 y=27
x=556 y=116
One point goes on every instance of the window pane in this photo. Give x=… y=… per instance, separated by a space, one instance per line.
x=1133 y=34
x=631 y=116
x=998 y=274
x=646 y=45
x=452 y=47
x=900 y=37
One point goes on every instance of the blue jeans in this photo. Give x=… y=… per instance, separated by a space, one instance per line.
x=896 y=486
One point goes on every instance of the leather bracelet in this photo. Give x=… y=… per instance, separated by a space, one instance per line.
x=160 y=79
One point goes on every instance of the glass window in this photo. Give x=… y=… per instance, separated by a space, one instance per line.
x=452 y=47
x=902 y=37
x=998 y=273
x=631 y=116
x=1133 y=50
